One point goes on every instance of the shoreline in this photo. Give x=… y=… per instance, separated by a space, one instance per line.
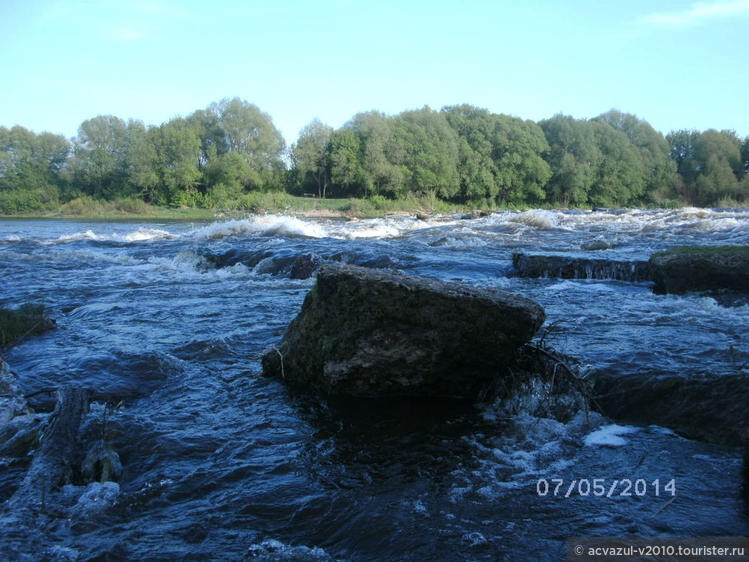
x=332 y=209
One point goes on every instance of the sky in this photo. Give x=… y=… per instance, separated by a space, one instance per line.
x=676 y=64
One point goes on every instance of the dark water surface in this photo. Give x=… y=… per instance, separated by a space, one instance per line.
x=220 y=463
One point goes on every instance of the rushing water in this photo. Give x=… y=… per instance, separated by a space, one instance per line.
x=220 y=463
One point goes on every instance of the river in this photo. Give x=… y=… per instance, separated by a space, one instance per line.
x=220 y=463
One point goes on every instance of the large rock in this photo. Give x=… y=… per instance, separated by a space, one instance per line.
x=707 y=408
x=366 y=332
x=700 y=268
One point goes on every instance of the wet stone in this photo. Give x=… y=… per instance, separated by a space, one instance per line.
x=373 y=333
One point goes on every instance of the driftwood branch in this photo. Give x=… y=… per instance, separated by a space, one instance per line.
x=559 y=362
x=53 y=458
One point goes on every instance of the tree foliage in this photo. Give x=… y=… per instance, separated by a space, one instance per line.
x=311 y=154
x=710 y=165
x=222 y=155
x=574 y=158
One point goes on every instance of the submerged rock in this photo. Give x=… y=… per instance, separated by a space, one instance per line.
x=365 y=332
x=475 y=215
x=304 y=266
x=701 y=268
x=236 y=256
x=567 y=267
x=710 y=409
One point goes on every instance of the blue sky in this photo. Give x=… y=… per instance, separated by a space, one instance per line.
x=675 y=64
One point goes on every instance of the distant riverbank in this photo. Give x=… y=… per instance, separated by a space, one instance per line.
x=270 y=202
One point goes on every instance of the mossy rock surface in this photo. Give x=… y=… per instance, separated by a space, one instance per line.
x=701 y=268
x=573 y=267
x=26 y=320
x=373 y=333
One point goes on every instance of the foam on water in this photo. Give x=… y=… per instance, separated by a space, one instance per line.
x=143 y=234
x=78 y=236
x=272 y=549
x=525 y=448
x=536 y=219
x=602 y=224
x=373 y=230
x=139 y=235
x=266 y=225
x=610 y=436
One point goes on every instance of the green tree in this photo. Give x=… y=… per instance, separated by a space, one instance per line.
x=517 y=149
x=477 y=167
x=500 y=156
x=379 y=175
x=346 y=162
x=425 y=148
x=30 y=161
x=709 y=165
x=654 y=151
x=142 y=161
x=573 y=156
x=311 y=154
x=32 y=169
x=621 y=174
x=247 y=131
x=178 y=153
x=100 y=156
x=231 y=169
x=212 y=137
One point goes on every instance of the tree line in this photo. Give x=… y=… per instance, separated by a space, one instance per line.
x=221 y=155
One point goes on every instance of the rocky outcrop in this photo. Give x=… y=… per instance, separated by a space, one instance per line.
x=710 y=408
x=677 y=270
x=701 y=268
x=296 y=266
x=566 y=267
x=370 y=333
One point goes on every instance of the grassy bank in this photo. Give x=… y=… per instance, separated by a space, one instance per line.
x=258 y=203
x=273 y=202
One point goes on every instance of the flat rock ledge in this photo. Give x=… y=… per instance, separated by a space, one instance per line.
x=677 y=270
x=709 y=408
x=373 y=333
x=565 y=267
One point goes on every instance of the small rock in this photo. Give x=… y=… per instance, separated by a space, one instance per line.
x=304 y=266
